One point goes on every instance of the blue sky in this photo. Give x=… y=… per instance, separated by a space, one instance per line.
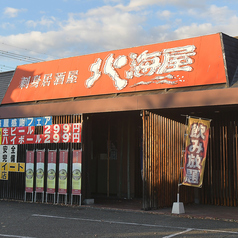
x=55 y=29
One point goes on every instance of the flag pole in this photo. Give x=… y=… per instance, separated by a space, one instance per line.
x=178 y=207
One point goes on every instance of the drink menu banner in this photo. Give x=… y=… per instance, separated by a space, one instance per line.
x=40 y=170
x=53 y=133
x=76 y=172
x=51 y=171
x=29 y=171
x=63 y=172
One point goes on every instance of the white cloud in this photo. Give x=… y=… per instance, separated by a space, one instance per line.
x=114 y=1
x=212 y=13
x=107 y=27
x=101 y=29
x=214 y=19
x=135 y=4
x=194 y=30
x=122 y=26
x=12 y=12
x=7 y=25
x=166 y=15
x=47 y=22
x=219 y=15
x=138 y=5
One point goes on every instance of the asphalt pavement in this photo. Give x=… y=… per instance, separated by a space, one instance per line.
x=198 y=211
x=26 y=219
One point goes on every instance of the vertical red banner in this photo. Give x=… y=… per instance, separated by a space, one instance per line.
x=63 y=172
x=51 y=171
x=76 y=172
x=29 y=171
x=195 y=151
x=40 y=171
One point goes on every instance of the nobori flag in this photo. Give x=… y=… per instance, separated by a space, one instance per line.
x=195 y=152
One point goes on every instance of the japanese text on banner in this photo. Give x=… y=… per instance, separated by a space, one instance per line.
x=195 y=152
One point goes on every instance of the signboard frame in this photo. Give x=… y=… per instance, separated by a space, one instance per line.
x=76 y=174
x=29 y=177
x=40 y=173
x=63 y=174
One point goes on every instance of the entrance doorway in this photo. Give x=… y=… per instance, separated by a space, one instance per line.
x=114 y=155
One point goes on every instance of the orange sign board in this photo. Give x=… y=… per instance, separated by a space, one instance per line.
x=189 y=62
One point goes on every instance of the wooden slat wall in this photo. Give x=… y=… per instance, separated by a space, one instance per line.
x=220 y=186
x=162 y=150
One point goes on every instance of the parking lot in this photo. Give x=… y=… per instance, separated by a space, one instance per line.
x=19 y=219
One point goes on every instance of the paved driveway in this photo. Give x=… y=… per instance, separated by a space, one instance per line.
x=19 y=219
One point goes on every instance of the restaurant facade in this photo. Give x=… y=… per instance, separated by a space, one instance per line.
x=113 y=124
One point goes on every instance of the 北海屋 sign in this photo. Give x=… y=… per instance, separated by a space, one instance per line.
x=183 y=63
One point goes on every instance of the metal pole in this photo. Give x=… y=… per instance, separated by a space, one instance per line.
x=144 y=163
x=128 y=162
x=108 y=159
x=121 y=161
x=182 y=157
